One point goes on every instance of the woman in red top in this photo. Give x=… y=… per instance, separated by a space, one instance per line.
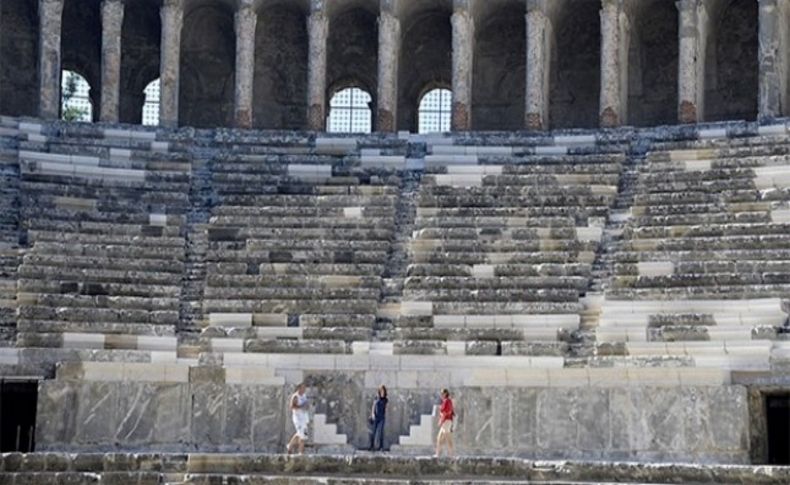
x=446 y=415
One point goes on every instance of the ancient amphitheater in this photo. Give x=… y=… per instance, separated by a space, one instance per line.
x=575 y=214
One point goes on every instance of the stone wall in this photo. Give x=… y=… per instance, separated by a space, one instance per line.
x=199 y=414
x=683 y=424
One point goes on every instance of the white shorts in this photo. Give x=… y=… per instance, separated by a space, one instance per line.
x=300 y=423
x=446 y=427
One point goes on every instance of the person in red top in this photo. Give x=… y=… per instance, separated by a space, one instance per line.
x=446 y=415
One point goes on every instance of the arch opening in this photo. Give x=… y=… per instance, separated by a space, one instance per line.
x=208 y=67
x=653 y=65
x=500 y=70
x=150 y=115
x=426 y=60
x=80 y=47
x=731 y=73
x=350 y=111
x=75 y=101
x=352 y=57
x=140 y=53
x=435 y=111
x=280 y=86
x=575 y=66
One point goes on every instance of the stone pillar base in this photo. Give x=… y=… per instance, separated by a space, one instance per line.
x=687 y=112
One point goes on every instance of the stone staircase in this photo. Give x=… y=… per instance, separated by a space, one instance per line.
x=9 y=228
x=325 y=437
x=422 y=436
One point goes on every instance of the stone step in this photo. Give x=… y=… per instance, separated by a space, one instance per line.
x=505 y=258
x=360 y=469
x=108 y=263
x=487 y=294
x=111 y=250
x=314 y=256
x=499 y=246
x=503 y=271
x=289 y=222
x=287 y=305
x=704 y=256
x=242 y=233
x=55 y=240
x=83 y=314
x=83 y=287
x=96 y=301
x=723 y=230
x=107 y=328
x=293 y=280
x=129 y=275
x=69 y=340
x=242 y=294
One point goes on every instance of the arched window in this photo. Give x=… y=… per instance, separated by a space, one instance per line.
x=75 y=98
x=151 y=106
x=349 y=112
x=435 y=111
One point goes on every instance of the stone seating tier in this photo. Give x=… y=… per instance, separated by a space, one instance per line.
x=300 y=231
x=105 y=220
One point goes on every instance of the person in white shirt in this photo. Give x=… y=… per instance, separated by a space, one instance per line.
x=301 y=418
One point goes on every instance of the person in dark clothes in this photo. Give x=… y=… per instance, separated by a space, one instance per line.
x=377 y=416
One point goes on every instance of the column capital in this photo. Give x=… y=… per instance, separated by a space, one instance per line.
x=389 y=7
x=173 y=4
x=689 y=5
x=317 y=7
x=245 y=13
x=112 y=10
x=536 y=6
x=607 y=4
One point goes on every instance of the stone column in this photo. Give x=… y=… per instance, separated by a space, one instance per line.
x=172 y=14
x=50 y=13
x=246 y=20
x=693 y=21
x=318 y=31
x=463 y=54
x=773 y=63
x=614 y=64
x=389 y=54
x=538 y=67
x=111 y=25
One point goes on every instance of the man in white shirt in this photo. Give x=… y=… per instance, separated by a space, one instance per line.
x=301 y=418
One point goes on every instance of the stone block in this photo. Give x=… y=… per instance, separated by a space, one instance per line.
x=416 y=308
x=230 y=319
x=551 y=150
x=207 y=375
x=138 y=372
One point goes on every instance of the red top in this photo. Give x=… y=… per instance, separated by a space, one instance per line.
x=446 y=411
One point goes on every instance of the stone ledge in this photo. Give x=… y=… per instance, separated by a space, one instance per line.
x=199 y=466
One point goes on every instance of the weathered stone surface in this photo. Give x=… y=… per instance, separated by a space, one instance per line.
x=160 y=416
